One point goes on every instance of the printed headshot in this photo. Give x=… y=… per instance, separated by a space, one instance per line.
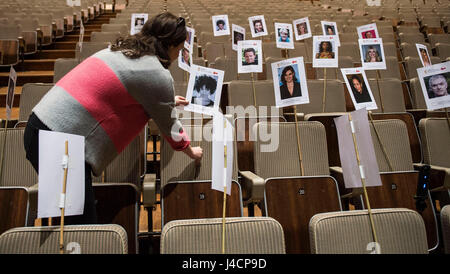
x=221 y=25
x=289 y=81
x=185 y=56
x=204 y=90
x=359 y=88
x=325 y=50
x=425 y=57
x=237 y=36
x=258 y=26
x=371 y=53
x=369 y=34
x=437 y=85
x=249 y=57
x=329 y=30
x=302 y=28
x=284 y=35
x=188 y=37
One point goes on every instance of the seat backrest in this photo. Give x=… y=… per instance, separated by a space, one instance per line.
x=417 y=98
x=392 y=70
x=63 y=66
x=30 y=96
x=445 y=224
x=10 y=31
x=412 y=63
x=443 y=51
x=334 y=97
x=435 y=138
x=17 y=170
x=122 y=28
x=280 y=158
x=410 y=49
x=350 y=49
x=243 y=235
x=212 y=50
x=398 y=230
x=411 y=38
x=335 y=73
x=88 y=49
x=177 y=166
x=270 y=49
x=391 y=98
x=392 y=135
x=240 y=93
x=79 y=239
x=98 y=36
x=438 y=38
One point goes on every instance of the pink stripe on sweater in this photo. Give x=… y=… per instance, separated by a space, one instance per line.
x=96 y=87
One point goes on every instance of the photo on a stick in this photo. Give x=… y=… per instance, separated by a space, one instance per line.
x=289 y=81
x=302 y=28
x=284 y=36
x=185 y=59
x=137 y=22
x=423 y=55
x=220 y=25
x=257 y=26
x=330 y=28
x=237 y=34
x=204 y=90
x=325 y=52
x=372 y=54
x=368 y=31
x=435 y=80
x=249 y=56
x=358 y=88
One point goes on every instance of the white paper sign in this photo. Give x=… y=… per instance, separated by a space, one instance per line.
x=189 y=43
x=325 y=52
x=289 y=81
x=435 y=80
x=358 y=88
x=257 y=26
x=423 y=55
x=368 y=31
x=237 y=34
x=368 y=168
x=249 y=56
x=372 y=54
x=330 y=28
x=222 y=141
x=204 y=90
x=137 y=22
x=10 y=96
x=302 y=28
x=185 y=59
x=284 y=36
x=220 y=25
x=51 y=174
x=373 y=3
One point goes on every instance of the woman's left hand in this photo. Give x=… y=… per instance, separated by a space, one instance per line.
x=180 y=101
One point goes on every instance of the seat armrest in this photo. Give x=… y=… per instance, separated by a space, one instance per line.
x=256 y=184
x=149 y=190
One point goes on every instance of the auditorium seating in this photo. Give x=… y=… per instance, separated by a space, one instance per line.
x=143 y=190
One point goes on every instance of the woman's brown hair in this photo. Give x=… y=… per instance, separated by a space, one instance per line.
x=157 y=34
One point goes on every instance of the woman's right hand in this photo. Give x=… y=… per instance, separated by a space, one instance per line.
x=195 y=153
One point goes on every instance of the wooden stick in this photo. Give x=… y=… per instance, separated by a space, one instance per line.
x=299 y=148
x=324 y=89
x=381 y=143
x=61 y=234
x=224 y=186
x=363 y=181
x=448 y=119
x=379 y=91
x=254 y=90
x=5 y=130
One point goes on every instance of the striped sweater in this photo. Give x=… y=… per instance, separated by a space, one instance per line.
x=108 y=99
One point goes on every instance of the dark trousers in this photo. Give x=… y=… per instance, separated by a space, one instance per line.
x=31 y=143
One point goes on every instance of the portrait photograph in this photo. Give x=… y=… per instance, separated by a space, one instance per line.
x=220 y=25
x=372 y=54
x=358 y=88
x=204 y=90
x=185 y=59
x=368 y=31
x=435 y=80
x=284 y=36
x=302 y=28
x=137 y=22
x=189 y=43
x=289 y=81
x=423 y=55
x=325 y=51
x=249 y=56
x=237 y=34
x=257 y=26
x=330 y=28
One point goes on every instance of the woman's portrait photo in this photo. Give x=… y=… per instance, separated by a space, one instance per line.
x=372 y=53
x=283 y=34
x=302 y=28
x=325 y=50
x=204 y=90
x=329 y=30
x=369 y=34
x=289 y=82
x=423 y=55
x=359 y=88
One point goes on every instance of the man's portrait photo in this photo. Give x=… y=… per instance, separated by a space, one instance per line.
x=437 y=85
x=257 y=25
x=220 y=25
x=204 y=90
x=250 y=57
x=434 y=81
